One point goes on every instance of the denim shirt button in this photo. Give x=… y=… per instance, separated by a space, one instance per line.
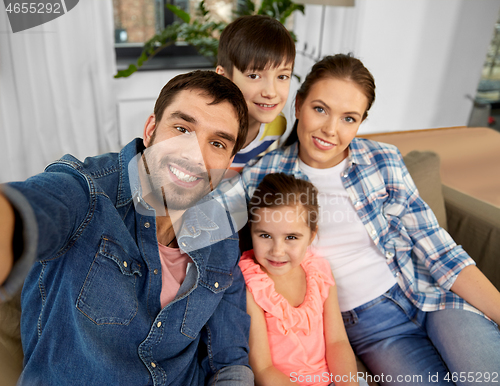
x=155 y=272
x=147 y=225
x=216 y=285
x=158 y=324
x=125 y=264
x=153 y=365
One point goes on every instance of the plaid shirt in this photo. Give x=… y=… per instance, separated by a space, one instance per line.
x=421 y=255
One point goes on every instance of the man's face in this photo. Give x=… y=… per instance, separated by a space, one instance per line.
x=190 y=150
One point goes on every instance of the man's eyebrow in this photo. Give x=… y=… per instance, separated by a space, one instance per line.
x=226 y=136
x=183 y=116
x=191 y=119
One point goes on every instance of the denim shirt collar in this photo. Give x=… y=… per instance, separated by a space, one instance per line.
x=206 y=215
x=128 y=185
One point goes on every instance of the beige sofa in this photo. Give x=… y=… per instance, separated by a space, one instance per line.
x=472 y=222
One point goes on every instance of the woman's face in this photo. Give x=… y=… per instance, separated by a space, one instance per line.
x=329 y=118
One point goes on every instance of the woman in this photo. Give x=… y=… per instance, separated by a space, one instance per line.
x=411 y=299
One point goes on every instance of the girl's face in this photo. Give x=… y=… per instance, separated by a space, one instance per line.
x=329 y=118
x=280 y=237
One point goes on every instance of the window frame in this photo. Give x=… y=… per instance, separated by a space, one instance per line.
x=175 y=56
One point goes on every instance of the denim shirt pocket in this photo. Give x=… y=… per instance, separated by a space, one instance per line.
x=108 y=295
x=204 y=300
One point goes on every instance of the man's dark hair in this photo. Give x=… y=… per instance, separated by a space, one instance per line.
x=211 y=85
x=255 y=42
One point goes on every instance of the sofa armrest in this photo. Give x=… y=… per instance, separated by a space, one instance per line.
x=475 y=225
x=11 y=353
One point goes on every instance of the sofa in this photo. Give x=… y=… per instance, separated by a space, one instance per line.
x=472 y=222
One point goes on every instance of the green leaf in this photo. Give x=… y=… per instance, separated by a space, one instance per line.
x=125 y=73
x=202 y=9
x=247 y=8
x=184 y=16
x=291 y=9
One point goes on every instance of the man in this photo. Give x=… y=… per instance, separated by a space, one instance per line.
x=135 y=278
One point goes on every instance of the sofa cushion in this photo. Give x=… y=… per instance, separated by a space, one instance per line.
x=424 y=169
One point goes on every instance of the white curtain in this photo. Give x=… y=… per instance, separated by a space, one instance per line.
x=56 y=90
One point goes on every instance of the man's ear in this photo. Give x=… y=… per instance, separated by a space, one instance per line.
x=220 y=70
x=149 y=128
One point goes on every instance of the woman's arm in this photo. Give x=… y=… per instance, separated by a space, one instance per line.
x=260 y=354
x=475 y=288
x=339 y=354
x=7 y=219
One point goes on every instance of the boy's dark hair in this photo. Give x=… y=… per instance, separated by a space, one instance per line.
x=255 y=42
x=213 y=85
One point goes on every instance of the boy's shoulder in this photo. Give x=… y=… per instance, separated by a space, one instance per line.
x=275 y=128
x=266 y=141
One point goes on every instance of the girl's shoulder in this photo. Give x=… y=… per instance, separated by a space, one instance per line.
x=319 y=277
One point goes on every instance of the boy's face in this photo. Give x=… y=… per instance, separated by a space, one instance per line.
x=265 y=91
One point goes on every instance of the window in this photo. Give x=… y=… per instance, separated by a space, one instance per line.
x=136 y=21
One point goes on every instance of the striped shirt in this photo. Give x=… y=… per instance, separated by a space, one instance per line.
x=265 y=141
x=423 y=257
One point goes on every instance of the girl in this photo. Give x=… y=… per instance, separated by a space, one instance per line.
x=296 y=333
x=413 y=302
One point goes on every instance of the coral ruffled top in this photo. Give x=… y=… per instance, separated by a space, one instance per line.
x=296 y=335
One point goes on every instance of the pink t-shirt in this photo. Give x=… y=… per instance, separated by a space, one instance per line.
x=296 y=335
x=173 y=272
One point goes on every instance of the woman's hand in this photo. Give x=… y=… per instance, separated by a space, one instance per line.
x=475 y=288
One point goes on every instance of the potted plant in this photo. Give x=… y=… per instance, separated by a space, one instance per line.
x=202 y=31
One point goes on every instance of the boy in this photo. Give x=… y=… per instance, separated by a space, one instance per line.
x=258 y=53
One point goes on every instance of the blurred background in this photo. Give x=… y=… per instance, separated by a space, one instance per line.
x=435 y=63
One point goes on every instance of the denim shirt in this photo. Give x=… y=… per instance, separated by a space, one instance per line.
x=91 y=301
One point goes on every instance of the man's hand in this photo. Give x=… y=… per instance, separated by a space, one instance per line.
x=7 y=222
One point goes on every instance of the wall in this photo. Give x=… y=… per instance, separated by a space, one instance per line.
x=426 y=56
x=136 y=99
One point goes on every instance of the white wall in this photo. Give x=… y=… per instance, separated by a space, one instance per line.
x=425 y=55
x=136 y=97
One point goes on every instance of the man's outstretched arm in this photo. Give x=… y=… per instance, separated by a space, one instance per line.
x=7 y=222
